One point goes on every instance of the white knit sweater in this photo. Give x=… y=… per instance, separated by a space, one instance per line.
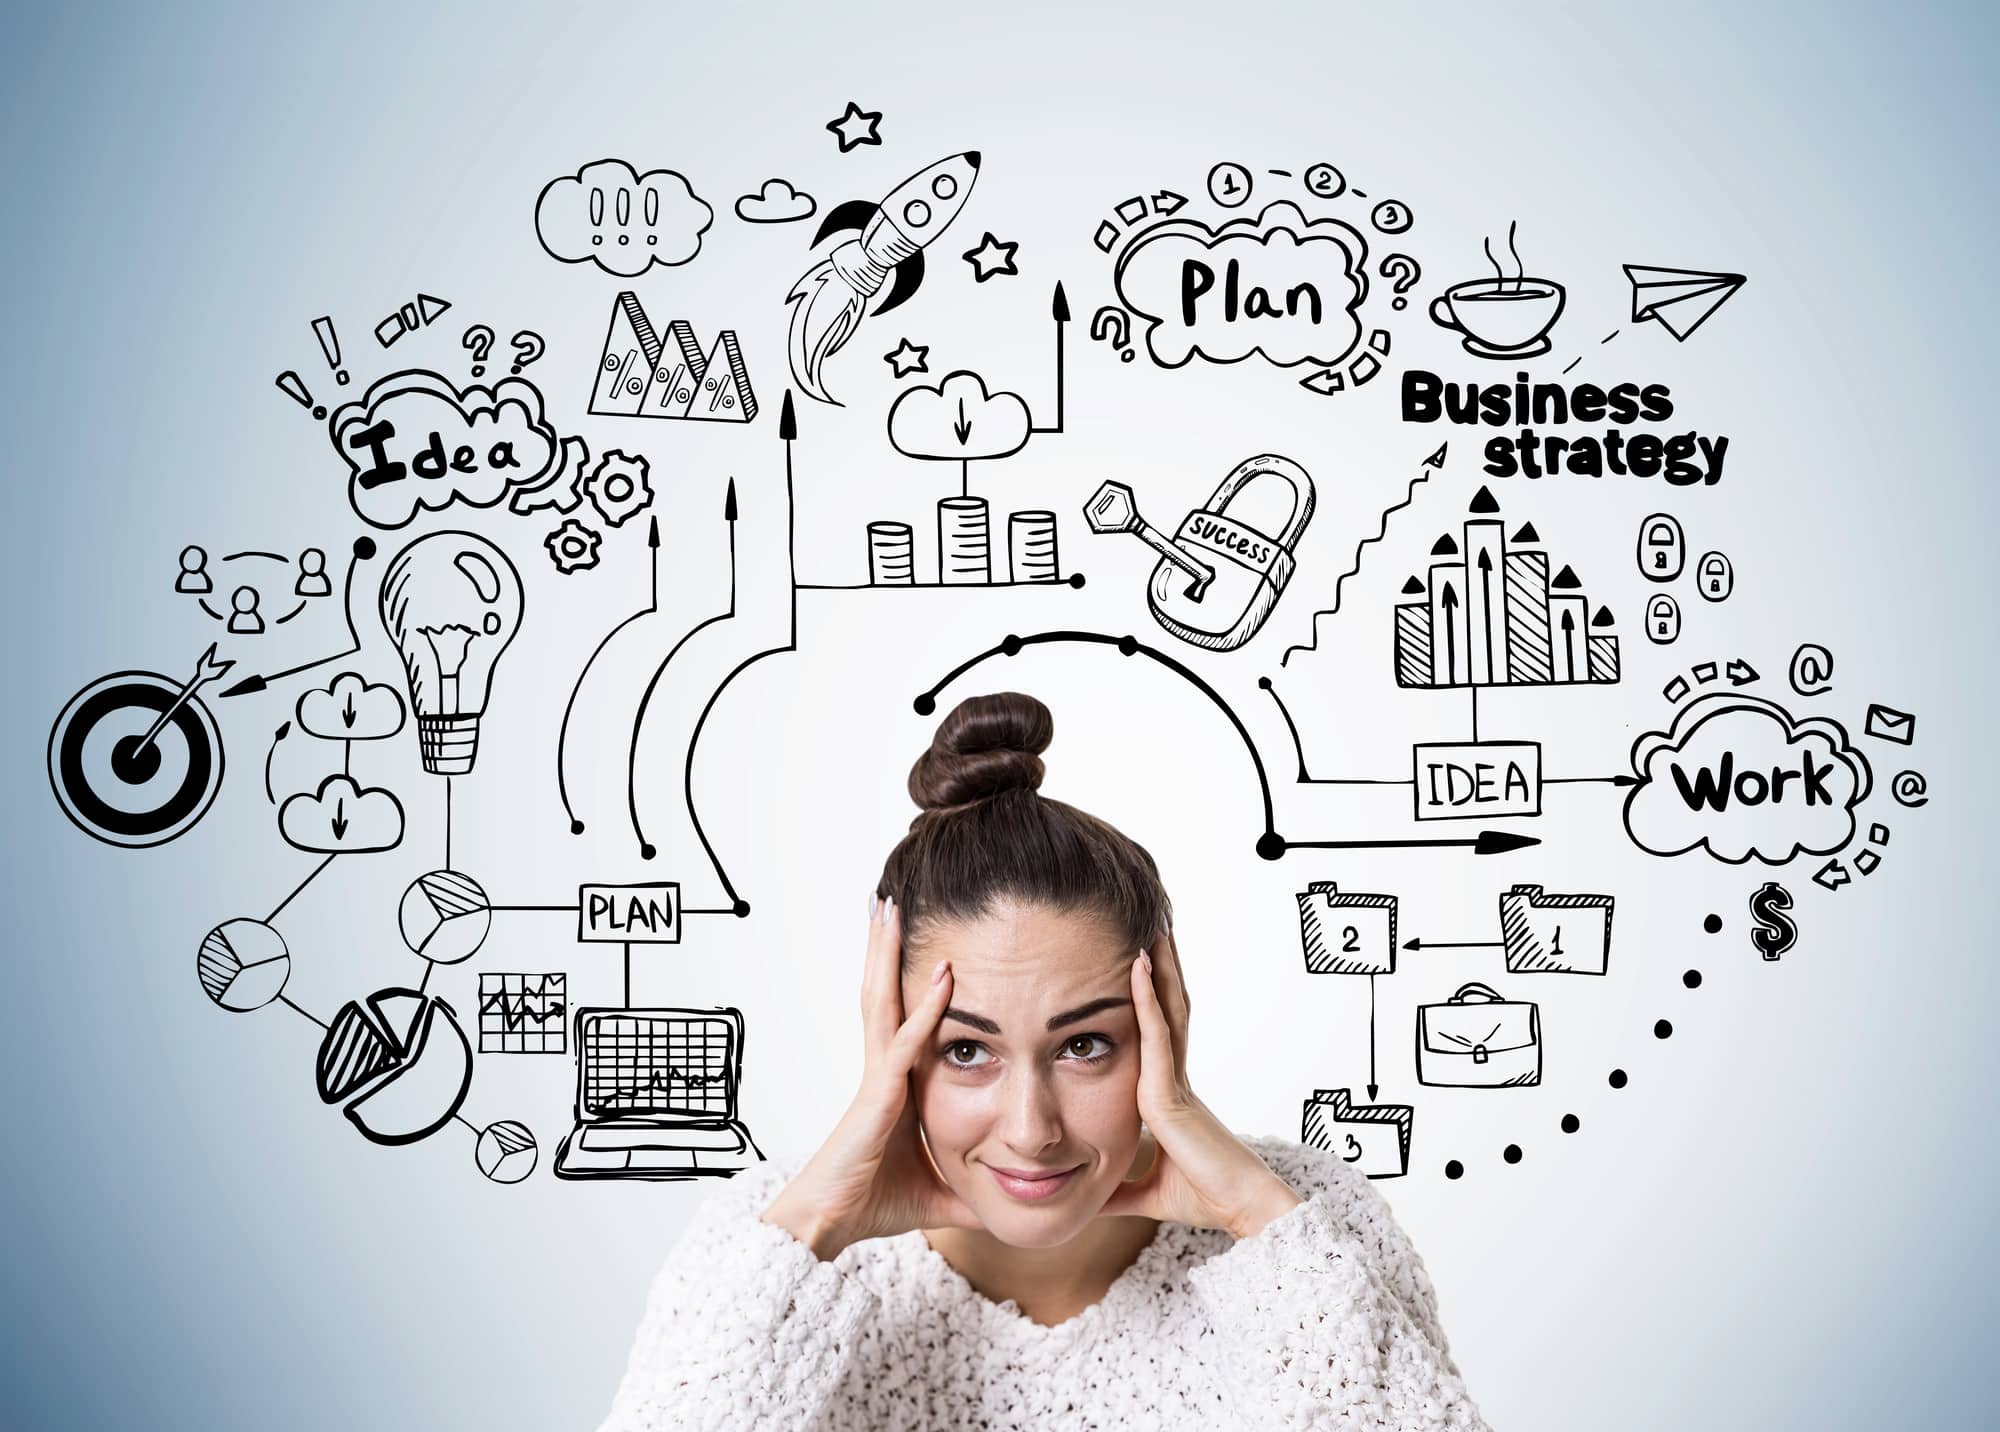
x=1325 y=1319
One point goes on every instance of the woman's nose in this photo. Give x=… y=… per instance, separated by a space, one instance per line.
x=1032 y=1118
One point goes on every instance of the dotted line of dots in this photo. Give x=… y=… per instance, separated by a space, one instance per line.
x=1618 y=1079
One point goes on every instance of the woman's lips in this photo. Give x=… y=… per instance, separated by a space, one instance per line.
x=1029 y=1186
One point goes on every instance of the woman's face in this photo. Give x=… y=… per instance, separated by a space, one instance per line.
x=1034 y=1070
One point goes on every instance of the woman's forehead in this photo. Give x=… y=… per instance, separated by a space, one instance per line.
x=1014 y=934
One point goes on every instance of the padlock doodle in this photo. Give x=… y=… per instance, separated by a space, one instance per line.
x=1218 y=578
x=1714 y=578
x=1663 y=620
x=1662 y=549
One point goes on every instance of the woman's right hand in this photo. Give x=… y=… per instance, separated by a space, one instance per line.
x=872 y=1178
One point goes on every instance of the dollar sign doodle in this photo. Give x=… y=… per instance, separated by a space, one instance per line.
x=1774 y=932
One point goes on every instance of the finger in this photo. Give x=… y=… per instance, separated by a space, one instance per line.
x=1174 y=993
x=882 y=992
x=1157 y=1068
x=921 y=1026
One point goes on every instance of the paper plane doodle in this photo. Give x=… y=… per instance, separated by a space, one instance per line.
x=640 y=376
x=1680 y=300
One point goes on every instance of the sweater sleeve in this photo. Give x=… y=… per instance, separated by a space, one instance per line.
x=744 y=1327
x=1319 y=1329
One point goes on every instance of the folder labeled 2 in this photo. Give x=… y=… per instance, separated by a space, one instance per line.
x=1479 y=1040
x=1375 y=1138
x=1347 y=934
x=1555 y=934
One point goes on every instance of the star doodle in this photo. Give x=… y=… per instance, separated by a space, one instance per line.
x=991 y=257
x=909 y=358
x=856 y=127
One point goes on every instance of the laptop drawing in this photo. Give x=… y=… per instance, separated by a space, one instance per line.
x=656 y=1096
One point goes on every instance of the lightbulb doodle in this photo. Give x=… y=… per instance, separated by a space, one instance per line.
x=1456 y=592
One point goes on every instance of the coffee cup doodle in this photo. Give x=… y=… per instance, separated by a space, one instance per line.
x=1503 y=317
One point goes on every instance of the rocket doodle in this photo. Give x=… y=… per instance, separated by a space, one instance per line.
x=831 y=298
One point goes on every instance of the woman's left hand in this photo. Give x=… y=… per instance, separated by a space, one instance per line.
x=1201 y=1174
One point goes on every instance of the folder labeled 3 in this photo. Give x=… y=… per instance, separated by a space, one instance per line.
x=1375 y=1138
x=1347 y=934
x=1478 y=1040
x=1555 y=934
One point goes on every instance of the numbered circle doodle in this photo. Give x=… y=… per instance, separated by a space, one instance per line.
x=1325 y=182
x=1229 y=185
x=116 y=785
x=1391 y=216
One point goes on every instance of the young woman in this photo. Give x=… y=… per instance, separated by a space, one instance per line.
x=1027 y=1219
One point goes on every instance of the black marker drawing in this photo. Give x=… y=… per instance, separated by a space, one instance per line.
x=478 y=341
x=1740 y=777
x=907 y=358
x=1555 y=934
x=1812 y=670
x=329 y=345
x=1489 y=614
x=1506 y=317
x=572 y=547
x=350 y=708
x=1662 y=548
x=619 y=487
x=342 y=817
x=1229 y=185
x=656 y=1096
x=1479 y=1040
x=1679 y=300
x=523 y=1014
x=609 y=214
x=1663 y=619
x=1347 y=934
x=506 y=1151
x=831 y=298
x=1909 y=788
x=1375 y=1138
x=1323 y=181
x=992 y=258
x=639 y=376
x=135 y=759
x=1772 y=930
x=451 y=603
x=1133 y=211
x=246 y=614
x=855 y=127
x=444 y=917
x=1402 y=272
x=528 y=346
x=243 y=964
x=1714 y=577
x=1390 y=216
x=421 y=312
x=776 y=202
x=1431 y=464
x=1218 y=579
x=1886 y=723
x=400 y=1066
x=363 y=550
x=1113 y=325
x=193 y=578
x=569 y=707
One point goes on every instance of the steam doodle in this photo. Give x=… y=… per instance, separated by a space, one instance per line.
x=609 y=214
x=1739 y=777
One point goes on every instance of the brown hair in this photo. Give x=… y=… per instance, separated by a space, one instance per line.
x=986 y=833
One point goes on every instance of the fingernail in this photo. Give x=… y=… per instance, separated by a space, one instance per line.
x=1146 y=960
x=874 y=909
x=888 y=908
x=937 y=975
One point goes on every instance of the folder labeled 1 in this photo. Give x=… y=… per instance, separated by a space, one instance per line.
x=1347 y=934
x=1555 y=934
x=1375 y=1138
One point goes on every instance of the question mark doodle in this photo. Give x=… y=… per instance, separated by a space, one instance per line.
x=1112 y=324
x=527 y=346
x=1402 y=272
x=479 y=340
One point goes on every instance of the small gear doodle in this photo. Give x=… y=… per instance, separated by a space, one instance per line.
x=617 y=487
x=572 y=546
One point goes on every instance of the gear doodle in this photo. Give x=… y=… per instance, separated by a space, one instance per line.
x=618 y=487
x=573 y=546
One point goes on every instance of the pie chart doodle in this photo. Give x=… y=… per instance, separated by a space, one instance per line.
x=506 y=1151
x=120 y=787
x=243 y=964
x=445 y=916
x=400 y=1064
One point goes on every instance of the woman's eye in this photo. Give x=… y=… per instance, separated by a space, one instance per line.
x=1088 y=1048
x=962 y=1053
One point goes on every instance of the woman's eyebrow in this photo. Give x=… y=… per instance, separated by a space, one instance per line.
x=1056 y=1021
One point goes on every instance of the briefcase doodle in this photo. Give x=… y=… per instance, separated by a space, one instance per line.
x=1374 y=1138
x=1555 y=934
x=1478 y=1040
x=1347 y=934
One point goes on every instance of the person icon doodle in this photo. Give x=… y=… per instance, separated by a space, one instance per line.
x=312 y=575
x=193 y=578
x=244 y=618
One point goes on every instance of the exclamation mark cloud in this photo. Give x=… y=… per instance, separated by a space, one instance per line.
x=591 y=217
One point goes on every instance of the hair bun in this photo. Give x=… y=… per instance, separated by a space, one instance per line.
x=988 y=745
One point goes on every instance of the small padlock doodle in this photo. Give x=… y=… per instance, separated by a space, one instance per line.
x=1662 y=549
x=1663 y=619
x=1247 y=569
x=1714 y=578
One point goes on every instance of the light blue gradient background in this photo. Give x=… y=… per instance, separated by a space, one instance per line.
x=1792 y=1225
